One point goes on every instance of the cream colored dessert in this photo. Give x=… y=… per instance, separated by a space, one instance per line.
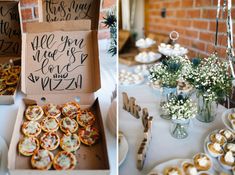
x=230 y=147
x=189 y=169
x=202 y=162
x=215 y=149
x=172 y=171
x=227 y=160
x=227 y=134
x=216 y=137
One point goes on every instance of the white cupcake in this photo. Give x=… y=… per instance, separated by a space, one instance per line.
x=215 y=149
x=227 y=160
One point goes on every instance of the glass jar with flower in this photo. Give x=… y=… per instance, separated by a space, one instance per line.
x=181 y=109
x=211 y=79
x=167 y=73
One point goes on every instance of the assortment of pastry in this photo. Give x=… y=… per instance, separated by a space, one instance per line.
x=53 y=134
x=9 y=78
x=129 y=78
x=221 y=147
x=172 y=50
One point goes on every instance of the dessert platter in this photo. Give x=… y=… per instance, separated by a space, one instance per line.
x=127 y=78
x=147 y=57
x=172 y=50
x=145 y=43
x=228 y=118
x=220 y=147
x=53 y=135
x=142 y=69
x=201 y=164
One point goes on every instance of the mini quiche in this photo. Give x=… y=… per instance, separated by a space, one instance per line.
x=70 y=142
x=12 y=80
x=34 y=113
x=42 y=159
x=88 y=135
x=8 y=91
x=50 y=141
x=50 y=124
x=14 y=70
x=52 y=110
x=64 y=161
x=68 y=125
x=31 y=128
x=71 y=109
x=85 y=118
x=28 y=145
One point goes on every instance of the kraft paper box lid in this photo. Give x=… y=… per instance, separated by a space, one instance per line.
x=60 y=58
x=61 y=10
x=10 y=29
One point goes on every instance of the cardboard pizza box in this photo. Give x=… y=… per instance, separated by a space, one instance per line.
x=10 y=38
x=63 y=10
x=51 y=74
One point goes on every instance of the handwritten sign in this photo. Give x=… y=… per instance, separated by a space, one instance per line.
x=10 y=33
x=63 y=10
x=129 y=104
x=60 y=61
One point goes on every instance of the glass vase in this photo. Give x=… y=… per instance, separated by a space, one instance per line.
x=179 y=128
x=206 y=110
x=167 y=92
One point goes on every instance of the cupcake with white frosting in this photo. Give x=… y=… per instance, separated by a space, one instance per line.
x=215 y=149
x=227 y=160
x=227 y=134
x=202 y=162
x=216 y=137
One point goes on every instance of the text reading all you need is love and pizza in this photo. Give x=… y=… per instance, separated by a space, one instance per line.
x=57 y=60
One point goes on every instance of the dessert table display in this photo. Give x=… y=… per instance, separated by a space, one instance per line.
x=163 y=146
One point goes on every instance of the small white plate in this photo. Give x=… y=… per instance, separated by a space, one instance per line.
x=226 y=120
x=215 y=161
x=123 y=149
x=171 y=163
x=3 y=157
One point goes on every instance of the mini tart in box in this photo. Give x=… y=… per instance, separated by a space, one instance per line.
x=172 y=170
x=12 y=80
x=227 y=160
x=8 y=91
x=85 y=118
x=64 y=161
x=50 y=124
x=34 y=113
x=70 y=142
x=28 y=145
x=227 y=134
x=50 y=141
x=202 y=162
x=88 y=135
x=52 y=110
x=42 y=159
x=216 y=137
x=31 y=128
x=68 y=125
x=189 y=168
x=71 y=109
x=215 y=149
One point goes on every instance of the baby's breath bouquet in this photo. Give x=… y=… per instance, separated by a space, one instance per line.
x=213 y=82
x=180 y=107
x=167 y=72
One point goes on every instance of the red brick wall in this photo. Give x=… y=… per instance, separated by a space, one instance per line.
x=193 y=19
x=29 y=10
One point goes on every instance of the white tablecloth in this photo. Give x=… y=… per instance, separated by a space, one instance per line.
x=108 y=79
x=163 y=146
